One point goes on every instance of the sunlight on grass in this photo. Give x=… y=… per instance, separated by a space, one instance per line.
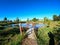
x=16 y=40
x=43 y=36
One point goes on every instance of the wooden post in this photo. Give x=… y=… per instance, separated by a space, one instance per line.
x=20 y=28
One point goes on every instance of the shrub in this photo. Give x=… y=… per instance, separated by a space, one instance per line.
x=2 y=27
x=56 y=32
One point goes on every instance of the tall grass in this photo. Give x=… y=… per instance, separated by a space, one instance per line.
x=43 y=38
x=16 y=40
x=43 y=35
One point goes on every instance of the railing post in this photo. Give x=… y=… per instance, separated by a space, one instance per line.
x=20 y=28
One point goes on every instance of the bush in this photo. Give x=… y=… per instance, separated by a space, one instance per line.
x=2 y=27
x=7 y=34
x=9 y=31
x=57 y=34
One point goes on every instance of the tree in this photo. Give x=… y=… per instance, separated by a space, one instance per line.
x=55 y=18
x=59 y=17
x=27 y=19
x=17 y=20
x=34 y=19
x=5 y=19
x=45 y=19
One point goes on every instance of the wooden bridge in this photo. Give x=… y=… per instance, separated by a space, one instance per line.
x=30 y=40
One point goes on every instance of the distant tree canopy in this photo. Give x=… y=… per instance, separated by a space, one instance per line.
x=27 y=19
x=34 y=19
x=59 y=17
x=56 y=18
x=17 y=19
x=5 y=19
x=47 y=21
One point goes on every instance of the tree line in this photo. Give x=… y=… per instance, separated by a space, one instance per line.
x=56 y=18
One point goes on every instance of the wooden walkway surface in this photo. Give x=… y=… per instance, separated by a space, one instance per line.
x=30 y=40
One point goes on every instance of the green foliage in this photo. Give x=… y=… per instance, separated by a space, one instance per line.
x=17 y=20
x=27 y=19
x=5 y=23
x=34 y=19
x=43 y=36
x=11 y=36
x=58 y=22
x=7 y=34
x=2 y=27
x=56 y=32
x=5 y=19
x=47 y=21
x=16 y=40
x=59 y=17
x=9 y=31
x=56 y=18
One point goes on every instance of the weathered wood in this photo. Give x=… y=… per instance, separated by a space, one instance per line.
x=30 y=40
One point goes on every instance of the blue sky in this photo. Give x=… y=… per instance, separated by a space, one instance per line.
x=24 y=9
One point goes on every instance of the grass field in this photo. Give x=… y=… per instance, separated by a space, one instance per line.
x=10 y=36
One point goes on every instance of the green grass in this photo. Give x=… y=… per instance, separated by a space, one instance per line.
x=54 y=27
x=16 y=40
x=43 y=35
x=43 y=38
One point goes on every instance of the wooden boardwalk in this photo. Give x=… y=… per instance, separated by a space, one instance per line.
x=30 y=40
